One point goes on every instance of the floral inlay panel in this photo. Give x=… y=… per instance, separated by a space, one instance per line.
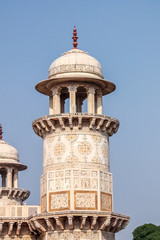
x=85 y=200
x=59 y=149
x=84 y=148
x=106 y=202
x=59 y=201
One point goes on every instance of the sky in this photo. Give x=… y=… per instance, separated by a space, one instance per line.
x=124 y=37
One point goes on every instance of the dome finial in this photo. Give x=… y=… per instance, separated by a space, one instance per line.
x=75 y=38
x=1 y=132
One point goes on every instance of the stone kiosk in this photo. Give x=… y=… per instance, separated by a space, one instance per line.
x=76 y=184
x=15 y=218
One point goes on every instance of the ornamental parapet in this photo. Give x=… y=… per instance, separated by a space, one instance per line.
x=14 y=193
x=51 y=123
x=110 y=222
x=67 y=220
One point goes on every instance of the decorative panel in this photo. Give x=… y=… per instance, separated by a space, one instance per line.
x=43 y=203
x=32 y=211
x=84 y=148
x=106 y=202
x=85 y=200
x=2 y=211
x=106 y=182
x=59 y=201
x=13 y=212
x=19 y=211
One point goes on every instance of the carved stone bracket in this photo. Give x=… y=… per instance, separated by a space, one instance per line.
x=39 y=226
x=105 y=223
x=18 y=228
x=83 y=222
x=70 y=222
x=93 y=222
x=10 y=228
x=92 y=122
x=60 y=222
x=50 y=224
x=1 y=227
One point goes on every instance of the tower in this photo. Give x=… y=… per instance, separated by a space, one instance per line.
x=76 y=184
x=10 y=193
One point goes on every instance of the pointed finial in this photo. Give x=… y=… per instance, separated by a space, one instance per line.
x=1 y=132
x=75 y=38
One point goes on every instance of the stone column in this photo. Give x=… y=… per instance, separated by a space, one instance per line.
x=99 y=102
x=15 y=178
x=3 y=179
x=9 y=178
x=72 y=98
x=91 y=100
x=50 y=105
x=56 y=101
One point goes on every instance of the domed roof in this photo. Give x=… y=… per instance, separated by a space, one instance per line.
x=75 y=61
x=8 y=153
x=75 y=65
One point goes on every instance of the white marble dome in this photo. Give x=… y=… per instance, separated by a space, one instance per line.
x=75 y=65
x=8 y=153
x=75 y=61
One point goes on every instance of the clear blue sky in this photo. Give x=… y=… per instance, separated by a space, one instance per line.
x=125 y=37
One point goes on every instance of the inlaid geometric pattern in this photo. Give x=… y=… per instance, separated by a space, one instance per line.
x=85 y=200
x=85 y=183
x=84 y=148
x=59 y=149
x=96 y=160
x=106 y=202
x=94 y=183
x=71 y=137
x=106 y=182
x=72 y=159
x=96 y=138
x=59 y=201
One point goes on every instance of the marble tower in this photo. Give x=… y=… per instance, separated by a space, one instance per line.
x=76 y=184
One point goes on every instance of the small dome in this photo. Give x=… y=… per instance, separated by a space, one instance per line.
x=75 y=65
x=8 y=153
x=75 y=61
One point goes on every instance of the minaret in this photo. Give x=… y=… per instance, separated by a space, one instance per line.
x=10 y=193
x=76 y=184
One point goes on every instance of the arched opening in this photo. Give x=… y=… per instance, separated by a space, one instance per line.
x=3 y=174
x=13 y=176
x=81 y=99
x=64 y=100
